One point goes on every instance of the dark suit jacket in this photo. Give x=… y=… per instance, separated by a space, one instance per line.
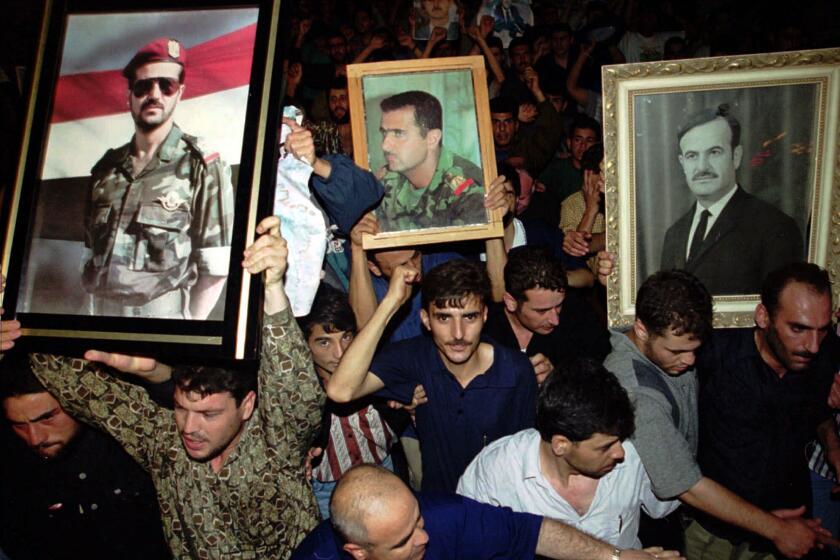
x=749 y=239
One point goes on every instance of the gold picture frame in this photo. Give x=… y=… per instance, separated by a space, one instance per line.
x=788 y=106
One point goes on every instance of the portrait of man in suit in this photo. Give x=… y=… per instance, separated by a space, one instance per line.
x=729 y=239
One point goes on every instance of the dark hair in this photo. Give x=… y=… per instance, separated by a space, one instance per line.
x=339 y=82
x=560 y=27
x=707 y=115
x=531 y=267
x=428 y=113
x=510 y=173
x=494 y=41
x=206 y=381
x=675 y=299
x=585 y=122
x=802 y=272
x=335 y=34
x=554 y=84
x=16 y=377
x=518 y=42
x=592 y=158
x=448 y=284
x=580 y=399
x=331 y=310
x=504 y=104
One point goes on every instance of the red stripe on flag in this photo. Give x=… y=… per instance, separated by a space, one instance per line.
x=463 y=186
x=216 y=65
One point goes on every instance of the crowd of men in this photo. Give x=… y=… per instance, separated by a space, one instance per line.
x=458 y=401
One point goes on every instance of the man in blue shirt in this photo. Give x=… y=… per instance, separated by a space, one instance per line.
x=478 y=391
x=376 y=517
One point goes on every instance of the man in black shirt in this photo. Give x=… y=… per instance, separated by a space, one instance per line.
x=762 y=400
x=539 y=318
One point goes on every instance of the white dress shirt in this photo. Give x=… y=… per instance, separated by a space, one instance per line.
x=507 y=473
x=714 y=212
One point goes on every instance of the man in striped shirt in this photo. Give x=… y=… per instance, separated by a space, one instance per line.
x=354 y=433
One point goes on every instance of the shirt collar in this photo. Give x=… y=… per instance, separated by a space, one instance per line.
x=716 y=208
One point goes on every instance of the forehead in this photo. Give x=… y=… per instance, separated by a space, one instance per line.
x=540 y=298
x=196 y=402
x=319 y=332
x=501 y=116
x=712 y=133
x=560 y=35
x=25 y=407
x=470 y=303
x=402 y=118
x=158 y=70
x=802 y=304
x=338 y=93
x=584 y=133
x=685 y=342
x=396 y=258
x=520 y=49
x=600 y=440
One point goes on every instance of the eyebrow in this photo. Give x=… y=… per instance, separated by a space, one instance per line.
x=44 y=416
x=404 y=540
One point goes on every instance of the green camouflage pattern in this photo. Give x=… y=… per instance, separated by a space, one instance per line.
x=259 y=505
x=157 y=232
x=447 y=201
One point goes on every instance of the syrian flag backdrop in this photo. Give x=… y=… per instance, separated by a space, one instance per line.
x=90 y=115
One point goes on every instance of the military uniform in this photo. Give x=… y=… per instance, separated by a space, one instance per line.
x=151 y=236
x=454 y=197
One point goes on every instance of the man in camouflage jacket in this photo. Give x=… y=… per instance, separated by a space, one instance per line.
x=160 y=209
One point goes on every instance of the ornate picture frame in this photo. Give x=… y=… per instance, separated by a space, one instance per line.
x=786 y=165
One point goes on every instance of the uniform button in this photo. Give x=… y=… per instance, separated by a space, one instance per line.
x=82 y=476
x=94 y=506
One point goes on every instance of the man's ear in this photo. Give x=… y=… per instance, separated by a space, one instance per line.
x=374 y=268
x=560 y=445
x=356 y=551
x=640 y=331
x=433 y=137
x=510 y=302
x=424 y=318
x=737 y=154
x=246 y=407
x=762 y=317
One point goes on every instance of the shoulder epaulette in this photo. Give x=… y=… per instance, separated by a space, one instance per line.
x=198 y=146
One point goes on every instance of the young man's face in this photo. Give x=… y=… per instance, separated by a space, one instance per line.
x=154 y=93
x=674 y=354
x=582 y=139
x=456 y=331
x=540 y=311
x=708 y=160
x=41 y=423
x=505 y=126
x=438 y=11
x=337 y=48
x=520 y=57
x=384 y=263
x=327 y=349
x=339 y=106
x=560 y=41
x=403 y=144
x=798 y=327
x=211 y=425
x=596 y=456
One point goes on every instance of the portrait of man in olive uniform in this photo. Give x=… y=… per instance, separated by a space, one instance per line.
x=426 y=184
x=160 y=208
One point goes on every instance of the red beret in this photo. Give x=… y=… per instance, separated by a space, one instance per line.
x=163 y=49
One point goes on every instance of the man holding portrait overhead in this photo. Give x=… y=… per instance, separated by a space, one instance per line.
x=426 y=184
x=729 y=239
x=160 y=209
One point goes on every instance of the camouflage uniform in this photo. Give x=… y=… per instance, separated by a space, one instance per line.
x=454 y=197
x=150 y=237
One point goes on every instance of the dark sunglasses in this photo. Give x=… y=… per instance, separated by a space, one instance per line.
x=168 y=86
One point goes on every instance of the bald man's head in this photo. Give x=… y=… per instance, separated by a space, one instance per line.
x=377 y=515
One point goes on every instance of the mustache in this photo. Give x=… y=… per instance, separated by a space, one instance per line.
x=704 y=175
x=150 y=103
x=805 y=354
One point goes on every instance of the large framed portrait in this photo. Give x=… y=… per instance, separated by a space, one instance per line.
x=148 y=157
x=423 y=128
x=725 y=167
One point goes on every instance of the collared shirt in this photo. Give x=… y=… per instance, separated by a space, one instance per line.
x=457 y=422
x=756 y=425
x=259 y=505
x=577 y=335
x=458 y=528
x=508 y=473
x=714 y=211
